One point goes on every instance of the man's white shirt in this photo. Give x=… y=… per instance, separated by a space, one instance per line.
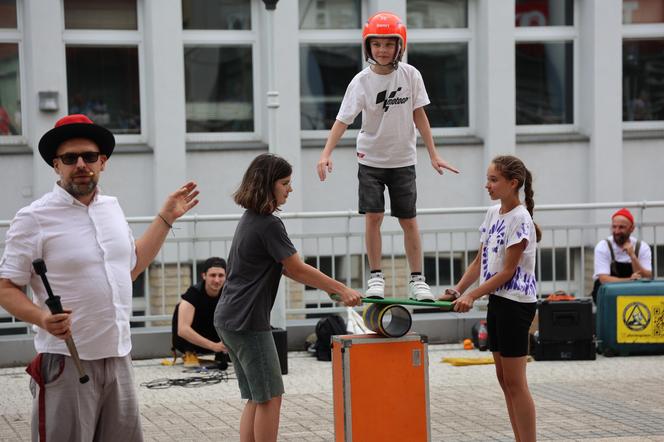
x=603 y=256
x=89 y=252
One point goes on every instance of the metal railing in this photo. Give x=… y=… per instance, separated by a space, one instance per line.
x=336 y=246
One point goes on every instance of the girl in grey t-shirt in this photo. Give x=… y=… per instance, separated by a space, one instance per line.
x=260 y=253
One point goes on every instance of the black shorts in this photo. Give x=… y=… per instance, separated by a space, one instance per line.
x=400 y=182
x=508 y=323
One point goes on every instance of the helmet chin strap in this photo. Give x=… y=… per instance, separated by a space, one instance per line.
x=394 y=63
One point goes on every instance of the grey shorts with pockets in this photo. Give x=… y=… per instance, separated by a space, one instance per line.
x=400 y=183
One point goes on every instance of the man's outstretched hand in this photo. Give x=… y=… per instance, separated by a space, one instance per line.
x=179 y=202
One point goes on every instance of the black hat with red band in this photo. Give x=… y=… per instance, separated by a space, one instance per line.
x=75 y=126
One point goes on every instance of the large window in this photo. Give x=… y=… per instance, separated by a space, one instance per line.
x=216 y=15
x=102 y=83
x=643 y=11
x=8 y=17
x=323 y=14
x=545 y=64
x=101 y=14
x=643 y=62
x=10 y=78
x=219 y=61
x=103 y=53
x=219 y=88
x=325 y=71
x=439 y=46
x=444 y=69
x=330 y=56
x=439 y=42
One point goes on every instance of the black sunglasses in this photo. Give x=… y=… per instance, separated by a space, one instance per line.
x=72 y=158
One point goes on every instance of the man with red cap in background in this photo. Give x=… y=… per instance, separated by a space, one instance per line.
x=91 y=255
x=621 y=257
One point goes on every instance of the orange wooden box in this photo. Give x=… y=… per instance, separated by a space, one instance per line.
x=380 y=388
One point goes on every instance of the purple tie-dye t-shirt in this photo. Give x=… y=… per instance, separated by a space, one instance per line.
x=497 y=233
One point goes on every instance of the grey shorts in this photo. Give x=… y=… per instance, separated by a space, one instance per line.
x=105 y=408
x=400 y=183
x=256 y=362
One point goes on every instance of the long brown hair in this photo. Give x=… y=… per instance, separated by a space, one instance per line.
x=256 y=192
x=513 y=168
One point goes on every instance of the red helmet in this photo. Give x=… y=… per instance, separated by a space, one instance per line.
x=384 y=25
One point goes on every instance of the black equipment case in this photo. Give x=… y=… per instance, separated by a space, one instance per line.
x=566 y=331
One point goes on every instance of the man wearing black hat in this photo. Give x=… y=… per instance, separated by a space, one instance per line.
x=92 y=258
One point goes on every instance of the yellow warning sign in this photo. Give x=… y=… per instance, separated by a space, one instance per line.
x=640 y=319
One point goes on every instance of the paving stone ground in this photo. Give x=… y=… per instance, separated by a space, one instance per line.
x=609 y=399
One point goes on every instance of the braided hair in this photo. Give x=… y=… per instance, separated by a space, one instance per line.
x=513 y=168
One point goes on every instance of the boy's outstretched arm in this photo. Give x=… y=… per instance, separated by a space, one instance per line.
x=422 y=124
x=325 y=162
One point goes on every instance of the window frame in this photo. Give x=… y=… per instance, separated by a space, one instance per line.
x=454 y=35
x=644 y=31
x=330 y=37
x=114 y=38
x=220 y=38
x=15 y=36
x=553 y=34
x=446 y=35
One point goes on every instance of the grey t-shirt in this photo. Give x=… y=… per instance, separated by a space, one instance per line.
x=254 y=270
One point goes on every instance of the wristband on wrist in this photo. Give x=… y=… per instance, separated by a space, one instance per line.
x=170 y=226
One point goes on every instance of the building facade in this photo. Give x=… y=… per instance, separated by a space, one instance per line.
x=195 y=89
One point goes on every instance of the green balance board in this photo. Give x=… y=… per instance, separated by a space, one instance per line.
x=443 y=305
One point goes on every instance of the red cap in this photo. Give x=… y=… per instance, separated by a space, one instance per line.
x=624 y=212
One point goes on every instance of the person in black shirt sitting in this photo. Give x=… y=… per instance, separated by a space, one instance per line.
x=193 y=328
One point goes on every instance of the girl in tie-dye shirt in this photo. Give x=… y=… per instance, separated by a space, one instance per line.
x=505 y=266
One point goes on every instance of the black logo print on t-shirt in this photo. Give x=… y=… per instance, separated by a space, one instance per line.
x=391 y=100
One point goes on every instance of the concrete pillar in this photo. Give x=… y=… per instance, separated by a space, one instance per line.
x=600 y=101
x=287 y=84
x=495 y=67
x=165 y=125
x=44 y=69
x=285 y=136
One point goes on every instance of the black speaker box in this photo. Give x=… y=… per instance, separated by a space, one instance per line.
x=564 y=321
x=581 y=350
x=281 y=342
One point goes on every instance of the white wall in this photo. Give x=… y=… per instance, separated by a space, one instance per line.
x=564 y=171
x=130 y=178
x=643 y=167
x=16 y=184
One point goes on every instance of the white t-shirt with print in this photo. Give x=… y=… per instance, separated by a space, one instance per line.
x=497 y=233
x=387 y=138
